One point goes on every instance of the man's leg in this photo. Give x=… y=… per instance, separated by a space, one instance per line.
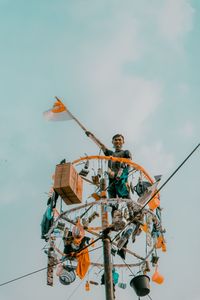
x=112 y=194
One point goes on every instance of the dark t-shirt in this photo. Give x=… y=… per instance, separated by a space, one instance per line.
x=116 y=166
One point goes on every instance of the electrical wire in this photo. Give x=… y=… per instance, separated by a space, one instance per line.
x=39 y=270
x=168 y=179
x=23 y=276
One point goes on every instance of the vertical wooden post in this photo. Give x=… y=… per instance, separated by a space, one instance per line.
x=106 y=250
x=51 y=263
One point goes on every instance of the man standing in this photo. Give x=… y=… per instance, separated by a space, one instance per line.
x=117 y=171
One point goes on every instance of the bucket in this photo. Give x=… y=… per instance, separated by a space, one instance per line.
x=140 y=284
x=157 y=277
x=67 y=275
x=122 y=285
x=87 y=286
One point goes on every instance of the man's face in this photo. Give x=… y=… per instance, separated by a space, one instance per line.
x=118 y=142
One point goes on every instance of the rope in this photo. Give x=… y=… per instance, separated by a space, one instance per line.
x=74 y=291
x=128 y=266
x=134 y=276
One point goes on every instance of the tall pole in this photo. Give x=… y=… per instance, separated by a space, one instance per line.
x=108 y=268
x=106 y=249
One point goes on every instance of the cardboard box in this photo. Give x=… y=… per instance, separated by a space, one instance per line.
x=68 y=184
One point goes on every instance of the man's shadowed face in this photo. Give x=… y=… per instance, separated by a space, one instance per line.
x=118 y=142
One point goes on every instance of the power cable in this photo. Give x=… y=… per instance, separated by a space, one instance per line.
x=42 y=269
x=168 y=179
x=23 y=276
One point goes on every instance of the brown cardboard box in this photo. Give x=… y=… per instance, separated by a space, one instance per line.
x=68 y=184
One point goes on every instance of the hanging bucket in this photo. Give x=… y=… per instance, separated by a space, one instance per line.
x=140 y=284
x=157 y=277
x=122 y=285
x=87 y=286
x=67 y=276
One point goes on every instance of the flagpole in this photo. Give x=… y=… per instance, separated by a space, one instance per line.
x=88 y=133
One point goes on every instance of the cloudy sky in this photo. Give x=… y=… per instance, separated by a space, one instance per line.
x=121 y=66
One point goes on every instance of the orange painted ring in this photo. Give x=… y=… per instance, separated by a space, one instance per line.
x=119 y=159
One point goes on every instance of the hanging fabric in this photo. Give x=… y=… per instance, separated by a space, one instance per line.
x=83 y=259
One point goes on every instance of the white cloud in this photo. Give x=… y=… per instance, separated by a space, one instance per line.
x=121 y=101
x=126 y=103
x=188 y=129
x=156 y=159
x=183 y=89
x=175 y=20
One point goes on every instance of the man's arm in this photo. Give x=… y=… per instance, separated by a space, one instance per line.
x=107 y=152
x=97 y=141
x=127 y=154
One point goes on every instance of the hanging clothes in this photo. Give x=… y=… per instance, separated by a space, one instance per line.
x=83 y=259
x=47 y=221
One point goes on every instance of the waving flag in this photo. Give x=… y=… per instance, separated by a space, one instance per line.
x=58 y=112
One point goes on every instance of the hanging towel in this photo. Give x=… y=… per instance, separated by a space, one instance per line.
x=83 y=259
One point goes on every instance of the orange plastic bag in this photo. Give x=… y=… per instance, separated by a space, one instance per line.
x=154 y=203
x=83 y=259
x=159 y=242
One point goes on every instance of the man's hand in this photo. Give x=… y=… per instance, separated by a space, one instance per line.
x=111 y=173
x=97 y=141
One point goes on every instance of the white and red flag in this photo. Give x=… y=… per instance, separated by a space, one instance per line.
x=58 y=112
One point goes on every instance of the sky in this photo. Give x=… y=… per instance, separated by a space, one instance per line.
x=121 y=66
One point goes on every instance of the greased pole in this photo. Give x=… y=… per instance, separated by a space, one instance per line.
x=106 y=248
